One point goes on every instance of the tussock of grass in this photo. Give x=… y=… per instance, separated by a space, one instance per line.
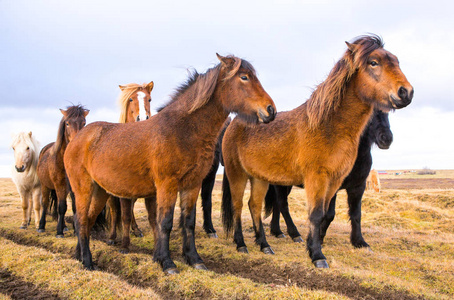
x=51 y=271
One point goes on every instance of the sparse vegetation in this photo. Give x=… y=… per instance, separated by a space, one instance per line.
x=426 y=171
x=410 y=232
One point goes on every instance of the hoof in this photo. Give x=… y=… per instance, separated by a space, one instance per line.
x=298 y=239
x=171 y=271
x=110 y=242
x=59 y=236
x=281 y=236
x=41 y=230
x=124 y=251
x=138 y=234
x=321 y=263
x=65 y=229
x=242 y=249
x=23 y=227
x=200 y=266
x=267 y=250
x=212 y=235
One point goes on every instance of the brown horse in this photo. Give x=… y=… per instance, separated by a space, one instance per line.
x=51 y=171
x=167 y=155
x=134 y=101
x=315 y=144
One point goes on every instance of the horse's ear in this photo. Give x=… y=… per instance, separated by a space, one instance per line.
x=150 y=86
x=86 y=111
x=352 y=47
x=122 y=87
x=64 y=112
x=30 y=134
x=227 y=61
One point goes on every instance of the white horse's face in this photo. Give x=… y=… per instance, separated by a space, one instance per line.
x=23 y=156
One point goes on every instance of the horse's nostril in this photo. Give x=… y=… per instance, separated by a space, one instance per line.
x=270 y=110
x=403 y=93
x=147 y=117
x=138 y=119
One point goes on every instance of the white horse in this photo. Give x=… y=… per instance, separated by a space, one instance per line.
x=26 y=153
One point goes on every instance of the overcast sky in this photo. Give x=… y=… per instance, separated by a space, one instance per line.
x=54 y=53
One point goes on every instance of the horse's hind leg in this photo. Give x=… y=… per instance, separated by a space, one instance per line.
x=206 y=194
x=187 y=222
x=237 y=187
x=258 y=192
x=134 y=227
x=150 y=205
x=126 y=223
x=329 y=217
x=113 y=206
x=45 y=192
x=354 y=210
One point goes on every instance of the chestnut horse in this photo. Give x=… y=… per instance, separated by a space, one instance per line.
x=167 y=155
x=26 y=150
x=373 y=181
x=134 y=101
x=51 y=170
x=314 y=144
x=377 y=131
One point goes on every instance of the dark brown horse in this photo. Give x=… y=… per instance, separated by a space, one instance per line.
x=315 y=144
x=51 y=170
x=134 y=101
x=167 y=155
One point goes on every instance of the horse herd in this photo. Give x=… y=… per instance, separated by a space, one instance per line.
x=322 y=145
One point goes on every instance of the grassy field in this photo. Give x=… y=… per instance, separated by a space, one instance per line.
x=410 y=232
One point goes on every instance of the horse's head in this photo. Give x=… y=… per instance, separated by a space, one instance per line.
x=23 y=151
x=137 y=104
x=379 y=126
x=73 y=121
x=379 y=78
x=241 y=91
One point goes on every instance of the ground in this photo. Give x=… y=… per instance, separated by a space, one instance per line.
x=408 y=225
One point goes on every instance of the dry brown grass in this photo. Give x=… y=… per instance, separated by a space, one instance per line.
x=410 y=232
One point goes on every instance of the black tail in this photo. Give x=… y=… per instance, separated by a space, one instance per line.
x=53 y=205
x=270 y=199
x=227 y=206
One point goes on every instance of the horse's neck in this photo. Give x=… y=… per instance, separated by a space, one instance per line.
x=352 y=115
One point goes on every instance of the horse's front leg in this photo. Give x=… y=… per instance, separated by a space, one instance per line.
x=45 y=193
x=25 y=197
x=113 y=206
x=188 y=200
x=62 y=207
x=355 y=196
x=166 y=197
x=282 y=199
x=206 y=194
x=329 y=217
x=36 y=196
x=134 y=227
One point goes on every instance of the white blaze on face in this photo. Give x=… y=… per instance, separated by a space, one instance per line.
x=142 y=111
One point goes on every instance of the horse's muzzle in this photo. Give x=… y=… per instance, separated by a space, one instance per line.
x=20 y=169
x=271 y=114
x=405 y=97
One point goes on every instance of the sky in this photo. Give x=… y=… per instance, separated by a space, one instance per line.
x=57 y=53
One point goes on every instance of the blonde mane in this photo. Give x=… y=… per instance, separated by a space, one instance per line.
x=327 y=96
x=123 y=99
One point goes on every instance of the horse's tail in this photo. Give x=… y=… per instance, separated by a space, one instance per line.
x=270 y=199
x=227 y=205
x=53 y=205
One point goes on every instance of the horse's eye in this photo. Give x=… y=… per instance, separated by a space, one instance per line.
x=244 y=78
x=373 y=63
x=130 y=99
x=28 y=148
x=149 y=100
x=67 y=124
